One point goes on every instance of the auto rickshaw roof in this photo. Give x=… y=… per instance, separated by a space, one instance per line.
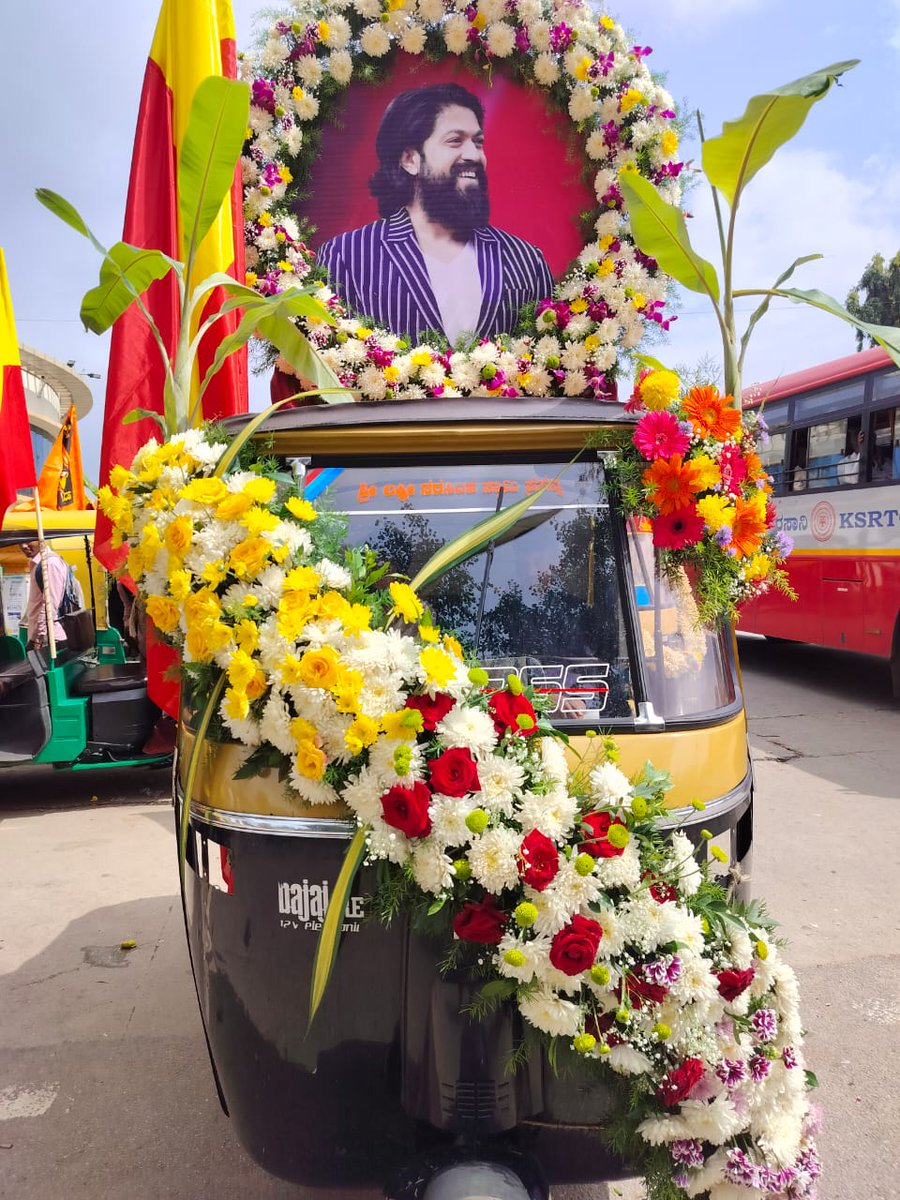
x=457 y=424
x=16 y=537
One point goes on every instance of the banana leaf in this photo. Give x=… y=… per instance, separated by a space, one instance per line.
x=330 y=933
x=216 y=128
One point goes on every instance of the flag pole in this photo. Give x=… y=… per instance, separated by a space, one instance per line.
x=47 y=588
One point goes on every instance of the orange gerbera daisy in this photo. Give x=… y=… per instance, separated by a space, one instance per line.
x=748 y=527
x=672 y=483
x=711 y=415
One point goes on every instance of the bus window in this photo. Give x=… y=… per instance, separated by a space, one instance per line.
x=799 y=472
x=829 y=444
x=886 y=455
x=772 y=457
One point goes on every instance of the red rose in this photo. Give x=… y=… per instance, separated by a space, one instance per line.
x=538 y=860
x=680 y=1082
x=432 y=710
x=480 y=921
x=601 y=1027
x=641 y=989
x=407 y=809
x=575 y=947
x=732 y=983
x=506 y=708
x=597 y=845
x=454 y=773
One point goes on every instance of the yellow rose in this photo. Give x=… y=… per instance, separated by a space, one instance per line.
x=198 y=644
x=301 y=509
x=163 y=612
x=303 y=731
x=248 y=557
x=319 y=668
x=332 y=606
x=257 y=685
x=202 y=605
x=406 y=603
x=233 y=505
x=310 y=761
x=178 y=536
x=204 y=491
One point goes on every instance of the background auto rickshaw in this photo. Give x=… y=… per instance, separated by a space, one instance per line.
x=572 y=601
x=87 y=707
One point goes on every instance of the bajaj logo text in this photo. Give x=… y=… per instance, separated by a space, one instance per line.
x=303 y=905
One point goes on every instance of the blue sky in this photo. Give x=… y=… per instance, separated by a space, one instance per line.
x=71 y=81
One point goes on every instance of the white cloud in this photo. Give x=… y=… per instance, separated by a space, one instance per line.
x=801 y=203
x=688 y=10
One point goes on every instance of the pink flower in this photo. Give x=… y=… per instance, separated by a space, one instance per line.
x=675 y=530
x=658 y=435
x=733 y=466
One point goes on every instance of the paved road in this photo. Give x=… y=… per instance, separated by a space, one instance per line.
x=105 y=1089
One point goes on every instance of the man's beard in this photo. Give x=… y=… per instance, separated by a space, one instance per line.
x=461 y=210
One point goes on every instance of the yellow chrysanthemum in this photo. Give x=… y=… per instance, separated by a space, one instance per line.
x=301 y=509
x=660 y=390
x=452 y=646
x=214 y=572
x=236 y=704
x=259 y=520
x=631 y=99
x=121 y=478
x=581 y=71
x=402 y=725
x=302 y=579
x=356 y=618
x=248 y=557
x=241 y=670
x=429 y=633
x=234 y=505
x=406 y=603
x=361 y=733
x=332 y=606
x=294 y=613
x=668 y=143
x=180 y=585
x=439 y=667
x=303 y=730
x=716 y=512
x=246 y=636
x=421 y=358
x=758 y=567
x=707 y=472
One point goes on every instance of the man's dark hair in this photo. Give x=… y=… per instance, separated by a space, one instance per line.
x=407 y=124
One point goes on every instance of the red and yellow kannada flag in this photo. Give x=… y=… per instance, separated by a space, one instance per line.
x=61 y=484
x=194 y=39
x=16 y=453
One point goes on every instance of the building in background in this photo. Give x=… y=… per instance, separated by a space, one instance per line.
x=50 y=387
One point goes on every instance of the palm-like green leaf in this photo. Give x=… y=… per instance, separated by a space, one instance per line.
x=659 y=230
x=763 y=308
x=193 y=764
x=125 y=273
x=886 y=336
x=330 y=933
x=474 y=540
x=745 y=146
x=216 y=128
x=60 y=207
x=293 y=346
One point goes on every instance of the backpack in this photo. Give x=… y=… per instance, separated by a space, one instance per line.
x=71 y=599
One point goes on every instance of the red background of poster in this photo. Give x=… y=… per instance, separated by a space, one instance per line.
x=534 y=163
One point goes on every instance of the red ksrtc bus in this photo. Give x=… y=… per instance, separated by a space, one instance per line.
x=834 y=456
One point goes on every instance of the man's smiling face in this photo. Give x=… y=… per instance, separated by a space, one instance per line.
x=450 y=170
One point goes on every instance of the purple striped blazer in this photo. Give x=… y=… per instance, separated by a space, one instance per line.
x=379 y=272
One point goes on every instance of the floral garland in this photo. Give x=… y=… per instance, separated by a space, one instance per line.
x=568 y=344
x=694 y=475
x=616 y=946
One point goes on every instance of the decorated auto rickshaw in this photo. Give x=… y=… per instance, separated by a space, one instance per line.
x=462 y=741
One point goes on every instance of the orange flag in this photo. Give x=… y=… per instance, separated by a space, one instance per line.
x=193 y=39
x=16 y=452
x=61 y=484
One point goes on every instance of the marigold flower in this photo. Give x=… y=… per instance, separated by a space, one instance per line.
x=671 y=484
x=712 y=415
x=659 y=389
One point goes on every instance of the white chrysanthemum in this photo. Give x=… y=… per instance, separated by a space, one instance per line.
x=339 y=32
x=464 y=373
x=382 y=694
x=363 y=793
x=448 y=819
x=432 y=868
x=575 y=383
x=625 y=1060
x=532 y=951
x=340 y=66
x=687 y=930
x=206 y=453
x=432 y=375
x=574 y=892
x=492 y=857
x=412 y=40
x=715 y=1121
x=430 y=11
x=275 y=724
x=381 y=762
x=368 y=8
x=306 y=106
x=551 y=1013
x=469 y=729
x=501 y=781
x=553 y=814
x=456 y=34
x=646 y=923
x=539 y=35
x=259 y=119
x=581 y=103
x=309 y=70
x=609 y=785
x=683 y=863
x=546 y=72
x=501 y=39
x=313 y=791
x=697 y=985
x=373 y=383
x=553 y=760
x=374 y=41
x=553 y=908
x=243 y=729
x=778 y=1108
x=539 y=381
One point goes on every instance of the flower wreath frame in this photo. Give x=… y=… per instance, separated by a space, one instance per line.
x=566 y=344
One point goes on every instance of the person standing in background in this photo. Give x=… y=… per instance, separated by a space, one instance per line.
x=57 y=573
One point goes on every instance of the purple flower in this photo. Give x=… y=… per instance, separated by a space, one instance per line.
x=789 y=1057
x=523 y=42
x=741 y=1169
x=687 y=1151
x=640 y=52
x=681 y=1179
x=764 y=1024
x=759 y=1067
x=560 y=37
x=722 y=536
x=731 y=1071
x=784 y=544
x=263 y=94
